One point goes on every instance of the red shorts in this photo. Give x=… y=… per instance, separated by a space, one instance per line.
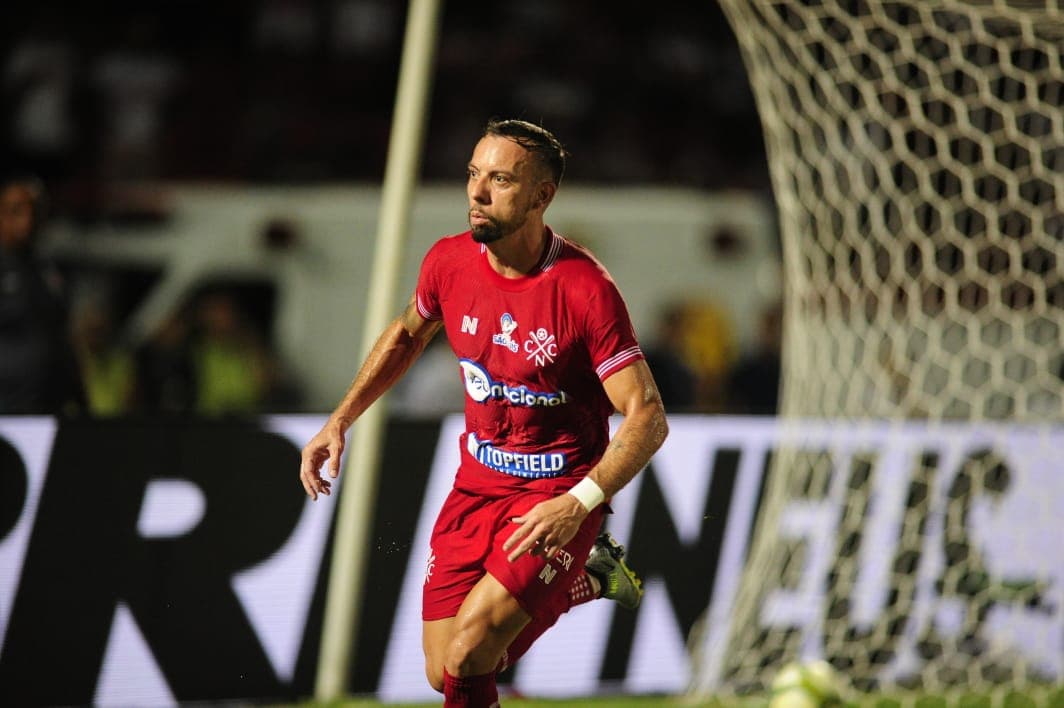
x=467 y=543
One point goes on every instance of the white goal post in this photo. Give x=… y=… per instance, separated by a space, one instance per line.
x=916 y=150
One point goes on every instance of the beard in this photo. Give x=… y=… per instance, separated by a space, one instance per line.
x=487 y=233
x=494 y=229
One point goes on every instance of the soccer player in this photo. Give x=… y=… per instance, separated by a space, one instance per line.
x=547 y=353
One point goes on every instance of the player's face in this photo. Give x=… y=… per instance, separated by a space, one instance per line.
x=502 y=184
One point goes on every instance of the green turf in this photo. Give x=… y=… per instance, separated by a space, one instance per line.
x=1042 y=697
x=605 y=702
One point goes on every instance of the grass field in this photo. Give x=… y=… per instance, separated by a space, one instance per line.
x=1039 y=698
x=608 y=702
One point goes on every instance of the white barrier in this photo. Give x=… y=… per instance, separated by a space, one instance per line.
x=686 y=520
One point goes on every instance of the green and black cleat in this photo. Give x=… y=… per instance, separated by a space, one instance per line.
x=619 y=582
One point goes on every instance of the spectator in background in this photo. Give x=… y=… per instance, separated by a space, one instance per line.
x=754 y=381
x=39 y=87
x=107 y=368
x=134 y=81
x=236 y=371
x=166 y=380
x=210 y=358
x=708 y=344
x=232 y=365
x=38 y=369
x=676 y=380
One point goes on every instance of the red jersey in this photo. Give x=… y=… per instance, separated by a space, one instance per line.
x=533 y=352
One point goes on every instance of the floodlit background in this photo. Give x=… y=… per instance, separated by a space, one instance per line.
x=213 y=170
x=211 y=180
x=213 y=173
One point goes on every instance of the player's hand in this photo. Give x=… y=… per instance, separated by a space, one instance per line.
x=328 y=444
x=546 y=528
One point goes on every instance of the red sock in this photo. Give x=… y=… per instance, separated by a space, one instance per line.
x=470 y=691
x=581 y=590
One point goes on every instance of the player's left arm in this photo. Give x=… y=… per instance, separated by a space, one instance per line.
x=549 y=525
x=635 y=396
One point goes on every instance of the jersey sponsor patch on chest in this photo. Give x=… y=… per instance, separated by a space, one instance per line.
x=529 y=465
x=481 y=387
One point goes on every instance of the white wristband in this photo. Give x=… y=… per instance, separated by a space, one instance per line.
x=588 y=493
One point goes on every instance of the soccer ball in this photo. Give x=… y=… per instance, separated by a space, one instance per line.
x=811 y=685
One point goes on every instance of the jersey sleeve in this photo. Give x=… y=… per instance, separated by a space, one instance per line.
x=609 y=334
x=427 y=293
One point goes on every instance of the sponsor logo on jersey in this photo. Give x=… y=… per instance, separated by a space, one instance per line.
x=541 y=346
x=507 y=325
x=480 y=387
x=530 y=465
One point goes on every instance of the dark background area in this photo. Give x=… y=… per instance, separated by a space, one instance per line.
x=303 y=91
x=111 y=103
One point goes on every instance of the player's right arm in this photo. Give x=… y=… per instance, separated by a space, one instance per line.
x=398 y=346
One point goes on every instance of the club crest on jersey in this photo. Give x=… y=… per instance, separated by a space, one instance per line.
x=508 y=325
x=541 y=346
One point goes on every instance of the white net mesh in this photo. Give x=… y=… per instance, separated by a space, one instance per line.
x=916 y=153
x=916 y=150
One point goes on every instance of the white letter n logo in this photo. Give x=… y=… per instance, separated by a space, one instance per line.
x=469 y=324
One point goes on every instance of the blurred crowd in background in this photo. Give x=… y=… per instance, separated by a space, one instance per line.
x=303 y=90
x=292 y=91
x=63 y=355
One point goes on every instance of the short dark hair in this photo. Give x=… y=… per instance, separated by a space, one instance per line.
x=536 y=139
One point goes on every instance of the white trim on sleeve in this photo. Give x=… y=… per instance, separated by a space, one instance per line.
x=617 y=360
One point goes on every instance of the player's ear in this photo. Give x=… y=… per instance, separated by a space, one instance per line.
x=545 y=194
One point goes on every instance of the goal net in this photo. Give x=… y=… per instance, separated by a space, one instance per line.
x=916 y=151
